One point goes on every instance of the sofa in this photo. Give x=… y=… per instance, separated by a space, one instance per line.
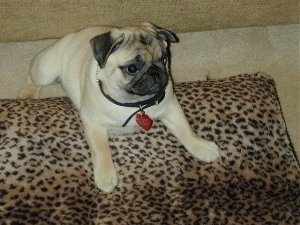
x=236 y=75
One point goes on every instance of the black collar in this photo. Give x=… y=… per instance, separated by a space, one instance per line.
x=155 y=100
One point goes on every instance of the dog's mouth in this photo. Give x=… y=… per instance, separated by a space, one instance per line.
x=145 y=88
x=152 y=82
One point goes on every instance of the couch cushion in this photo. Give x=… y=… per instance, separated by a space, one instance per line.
x=46 y=171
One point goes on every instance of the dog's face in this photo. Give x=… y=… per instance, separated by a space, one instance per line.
x=133 y=61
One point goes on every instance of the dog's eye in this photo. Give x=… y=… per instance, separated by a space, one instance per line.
x=132 y=69
x=164 y=60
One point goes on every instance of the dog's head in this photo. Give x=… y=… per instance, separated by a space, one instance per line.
x=133 y=60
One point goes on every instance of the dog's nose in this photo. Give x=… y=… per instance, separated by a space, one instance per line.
x=154 y=71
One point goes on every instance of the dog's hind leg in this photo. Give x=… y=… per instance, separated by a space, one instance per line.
x=46 y=67
x=48 y=64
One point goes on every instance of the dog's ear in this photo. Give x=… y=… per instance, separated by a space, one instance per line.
x=163 y=34
x=166 y=35
x=103 y=45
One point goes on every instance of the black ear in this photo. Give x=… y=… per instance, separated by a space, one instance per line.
x=165 y=35
x=103 y=45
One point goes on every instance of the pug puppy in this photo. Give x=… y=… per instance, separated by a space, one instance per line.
x=113 y=75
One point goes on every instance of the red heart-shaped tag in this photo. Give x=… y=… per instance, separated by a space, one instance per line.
x=144 y=121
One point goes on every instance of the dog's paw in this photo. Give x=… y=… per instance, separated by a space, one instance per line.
x=106 y=179
x=31 y=92
x=206 y=151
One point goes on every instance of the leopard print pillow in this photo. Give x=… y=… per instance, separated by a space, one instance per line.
x=46 y=171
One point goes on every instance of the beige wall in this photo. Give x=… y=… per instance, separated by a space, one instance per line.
x=22 y=20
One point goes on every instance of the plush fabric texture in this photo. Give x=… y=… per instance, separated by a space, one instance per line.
x=26 y=20
x=46 y=171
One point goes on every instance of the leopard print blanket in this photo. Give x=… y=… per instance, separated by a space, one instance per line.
x=46 y=171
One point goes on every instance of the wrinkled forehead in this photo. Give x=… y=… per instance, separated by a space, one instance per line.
x=142 y=41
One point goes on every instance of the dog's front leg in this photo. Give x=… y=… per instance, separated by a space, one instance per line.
x=104 y=171
x=177 y=123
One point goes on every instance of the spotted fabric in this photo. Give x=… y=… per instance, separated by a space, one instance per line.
x=46 y=170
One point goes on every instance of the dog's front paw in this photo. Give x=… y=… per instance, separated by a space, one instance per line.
x=106 y=179
x=206 y=151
